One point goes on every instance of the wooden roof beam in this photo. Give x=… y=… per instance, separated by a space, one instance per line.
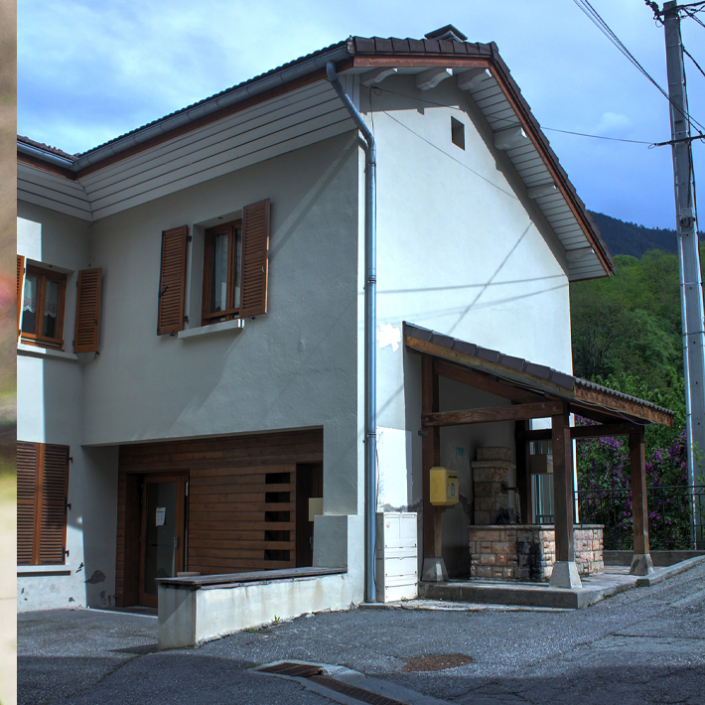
x=515 y=412
x=482 y=381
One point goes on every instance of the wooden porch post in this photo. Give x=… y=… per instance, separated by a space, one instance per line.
x=434 y=568
x=523 y=470
x=641 y=561
x=565 y=572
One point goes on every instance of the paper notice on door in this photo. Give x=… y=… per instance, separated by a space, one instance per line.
x=161 y=516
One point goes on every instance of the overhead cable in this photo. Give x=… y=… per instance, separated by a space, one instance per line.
x=595 y=18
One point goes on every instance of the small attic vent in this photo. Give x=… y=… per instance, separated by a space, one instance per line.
x=448 y=32
x=457 y=133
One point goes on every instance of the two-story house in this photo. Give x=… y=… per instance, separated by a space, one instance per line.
x=191 y=317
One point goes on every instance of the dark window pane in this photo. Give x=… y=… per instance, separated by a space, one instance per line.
x=238 y=257
x=29 y=304
x=51 y=309
x=219 y=273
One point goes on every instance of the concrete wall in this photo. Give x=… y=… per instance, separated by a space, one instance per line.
x=49 y=392
x=463 y=251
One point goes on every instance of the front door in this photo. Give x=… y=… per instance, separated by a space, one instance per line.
x=162 y=536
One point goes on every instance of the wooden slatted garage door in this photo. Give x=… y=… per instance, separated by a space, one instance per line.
x=241 y=508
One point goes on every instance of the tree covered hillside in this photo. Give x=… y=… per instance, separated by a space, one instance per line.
x=627 y=332
x=630 y=239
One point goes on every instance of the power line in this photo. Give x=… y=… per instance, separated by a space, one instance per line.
x=597 y=137
x=690 y=56
x=379 y=89
x=595 y=18
x=697 y=19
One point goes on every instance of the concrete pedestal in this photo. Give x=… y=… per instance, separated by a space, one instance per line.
x=434 y=570
x=565 y=575
x=641 y=564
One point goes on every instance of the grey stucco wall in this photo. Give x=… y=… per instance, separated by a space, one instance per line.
x=49 y=391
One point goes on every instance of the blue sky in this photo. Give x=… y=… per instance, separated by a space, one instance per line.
x=88 y=72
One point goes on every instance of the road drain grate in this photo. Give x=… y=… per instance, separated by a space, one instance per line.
x=365 y=696
x=294 y=670
x=312 y=673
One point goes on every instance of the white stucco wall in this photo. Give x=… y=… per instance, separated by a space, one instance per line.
x=49 y=392
x=463 y=251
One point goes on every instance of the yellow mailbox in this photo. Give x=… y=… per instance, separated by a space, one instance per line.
x=444 y=487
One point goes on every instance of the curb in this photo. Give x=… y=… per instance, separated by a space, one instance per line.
x=665 y=573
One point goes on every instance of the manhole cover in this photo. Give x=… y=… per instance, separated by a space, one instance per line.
x=436 y=662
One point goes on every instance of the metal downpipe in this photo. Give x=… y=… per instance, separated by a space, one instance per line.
x=370 y=327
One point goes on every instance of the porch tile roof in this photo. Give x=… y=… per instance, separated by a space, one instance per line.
x=533 y=376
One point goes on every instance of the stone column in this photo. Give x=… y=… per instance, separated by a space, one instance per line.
x=492 y=475
x=565 y=572
x=641 y=560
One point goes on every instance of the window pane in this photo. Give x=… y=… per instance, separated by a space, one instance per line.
x=51 y=309
x=219 y=273
x=29 y=303
x=238 y=255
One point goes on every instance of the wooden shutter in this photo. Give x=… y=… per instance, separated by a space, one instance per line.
x=87 y=311
x=255 y=250
x=26 y=501
x=55 y=476
x=20 y=292
x=172 y=283
x=42 y=490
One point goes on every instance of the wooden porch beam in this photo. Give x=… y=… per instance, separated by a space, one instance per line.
x=602 y=431
x=464 y=375
x=430 y=457
x=622 y=406
x=517 y=412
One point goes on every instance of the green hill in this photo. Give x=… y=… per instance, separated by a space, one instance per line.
x=631 y=239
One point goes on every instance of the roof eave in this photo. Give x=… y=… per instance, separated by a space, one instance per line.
x=487 y=56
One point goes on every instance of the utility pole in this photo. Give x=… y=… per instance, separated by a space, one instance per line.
x=691 y=286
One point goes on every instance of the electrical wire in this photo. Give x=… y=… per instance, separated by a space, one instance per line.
x=697 y=65
x=597 y=20
x=379 y=89
x=597 y=137
x=697 y=19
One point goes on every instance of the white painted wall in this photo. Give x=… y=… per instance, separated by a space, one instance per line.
x=49 y=410
x=462 y=251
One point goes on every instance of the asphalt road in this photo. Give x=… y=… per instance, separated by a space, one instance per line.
x=643 y=646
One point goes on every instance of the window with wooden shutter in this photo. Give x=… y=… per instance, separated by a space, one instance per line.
x=42 y=309
x=87 y=331
x=42 y=490
x=172 y=283
x=20 y=290
x=255 y=256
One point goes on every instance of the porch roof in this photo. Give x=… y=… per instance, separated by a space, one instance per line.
x=514 y=377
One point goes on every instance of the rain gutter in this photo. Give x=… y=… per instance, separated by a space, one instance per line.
x=370 y=326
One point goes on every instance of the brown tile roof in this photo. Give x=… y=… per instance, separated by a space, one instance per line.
x=520 y=370
x=46 y=148
x=412 y=49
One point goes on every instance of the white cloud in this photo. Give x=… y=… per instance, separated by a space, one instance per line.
x=90 y=71
x=613 y=123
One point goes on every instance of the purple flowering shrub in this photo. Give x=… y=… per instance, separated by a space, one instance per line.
x=604 y=480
